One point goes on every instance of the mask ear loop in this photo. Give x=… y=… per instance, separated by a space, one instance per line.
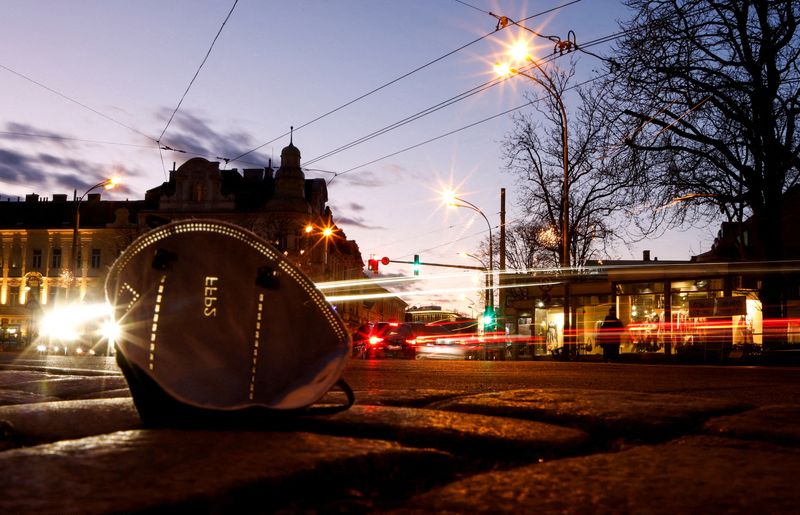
x=329 y=410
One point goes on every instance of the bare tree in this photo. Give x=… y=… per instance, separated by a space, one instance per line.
x=597 y=179
x=711 y=96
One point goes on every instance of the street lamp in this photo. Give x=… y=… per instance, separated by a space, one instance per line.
x=107 y=184
x=453 y=201
x=327 y=232
x=519 y=51
x=504 y=69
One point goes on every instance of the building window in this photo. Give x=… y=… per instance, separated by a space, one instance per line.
x=36 y=260
x=95 y=258
x=13 y=298
x=55 y=261
x=199 y=192
x=16 y=254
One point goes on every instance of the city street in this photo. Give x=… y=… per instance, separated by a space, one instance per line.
x=755 y=385
x=423 y=436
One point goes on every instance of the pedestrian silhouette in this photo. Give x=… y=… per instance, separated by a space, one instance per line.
x=610 y=336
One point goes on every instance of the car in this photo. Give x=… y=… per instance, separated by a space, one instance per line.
x=464 y=344
x=393 y=339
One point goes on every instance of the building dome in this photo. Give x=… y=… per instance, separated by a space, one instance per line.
x=290 y=183
x=290 y=156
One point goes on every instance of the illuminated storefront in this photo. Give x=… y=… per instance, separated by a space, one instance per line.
x=672 y=308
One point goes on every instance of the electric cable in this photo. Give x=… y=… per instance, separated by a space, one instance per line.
x=454 y=131
x=395 y=80
x=420 y=114
x=70 y=99
x=198 y=71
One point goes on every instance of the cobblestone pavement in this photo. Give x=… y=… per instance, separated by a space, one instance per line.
x=73 y=443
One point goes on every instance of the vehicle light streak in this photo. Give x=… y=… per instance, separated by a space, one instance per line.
x=415 y=293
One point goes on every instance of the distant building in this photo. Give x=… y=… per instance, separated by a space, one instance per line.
x=42 y=268
x=427 y=314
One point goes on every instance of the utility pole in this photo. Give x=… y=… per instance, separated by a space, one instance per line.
x=502 y=293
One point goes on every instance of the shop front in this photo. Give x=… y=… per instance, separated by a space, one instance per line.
x=676 y=308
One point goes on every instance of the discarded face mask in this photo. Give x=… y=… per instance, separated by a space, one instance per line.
x=216 y=324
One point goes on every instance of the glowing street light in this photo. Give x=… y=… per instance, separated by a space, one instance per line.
x=452 y=200
x=107 y=184
x=519 y=52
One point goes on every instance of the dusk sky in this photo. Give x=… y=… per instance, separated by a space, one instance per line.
x=88 y=89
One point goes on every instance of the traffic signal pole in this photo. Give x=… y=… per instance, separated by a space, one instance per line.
x=445 y=265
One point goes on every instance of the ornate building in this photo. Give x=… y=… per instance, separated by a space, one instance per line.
x=40 y=269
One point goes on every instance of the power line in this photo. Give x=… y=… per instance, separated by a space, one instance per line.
x=469 y=126
x=393 y=81
x=409 y=119
x=65 y=138
x=70 y=99
x=420 y=114
x=471 y=6
x=365 y=95
x=198 y=71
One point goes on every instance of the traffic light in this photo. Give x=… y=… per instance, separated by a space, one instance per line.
x=416 y=266
x=489 y=320
x=373 y=264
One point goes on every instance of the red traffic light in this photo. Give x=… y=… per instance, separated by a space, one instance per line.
x=385 y=260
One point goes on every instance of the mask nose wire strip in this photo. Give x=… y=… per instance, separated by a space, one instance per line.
x=154 y=327
x=256 y=338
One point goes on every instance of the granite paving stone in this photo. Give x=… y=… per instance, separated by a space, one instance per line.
x=501 y=438
x=697 y=474
x=210 y=471
x=630 y=415
x=778 y=424
x=106 y=394
x=70 y=387
x=10 y=397
x=13 y=377
x=418 y=398
x=52 y=421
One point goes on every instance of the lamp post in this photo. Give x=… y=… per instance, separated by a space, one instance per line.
x=454 y=201
x=107 y=184
x=519 y=51
x=327 y=232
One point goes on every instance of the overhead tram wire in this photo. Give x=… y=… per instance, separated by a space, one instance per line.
x=471 y=6
x=421 y=114
x=594 y=42
x=397 y=79
x=449 y=102
x=450 y=133
x=198 y=71
x=70 y=99
x=66 y=138
x=365 y=95
x=411 y=118
x=238 y=158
